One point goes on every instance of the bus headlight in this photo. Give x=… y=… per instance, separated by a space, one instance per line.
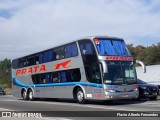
x=112 y=91
x=135 y=89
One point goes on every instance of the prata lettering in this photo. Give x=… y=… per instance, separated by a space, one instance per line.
x=31 y=70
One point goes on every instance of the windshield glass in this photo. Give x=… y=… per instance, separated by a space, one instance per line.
x=115 y=47
x=120 y=73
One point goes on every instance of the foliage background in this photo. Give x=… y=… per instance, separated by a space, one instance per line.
x=150 y=55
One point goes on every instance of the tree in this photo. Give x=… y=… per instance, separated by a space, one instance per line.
x=5 y=73
x=150 y=55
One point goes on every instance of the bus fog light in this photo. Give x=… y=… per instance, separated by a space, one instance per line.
x=107 y=96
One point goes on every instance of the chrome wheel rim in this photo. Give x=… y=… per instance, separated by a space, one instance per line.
x=31 y=95
x=80 y=95
x=24 y=94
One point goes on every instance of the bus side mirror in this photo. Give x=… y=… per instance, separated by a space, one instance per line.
x=104 y=66
x=142 y=64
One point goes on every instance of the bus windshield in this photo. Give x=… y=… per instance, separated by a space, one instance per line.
x=120 y=73
x=114 y=47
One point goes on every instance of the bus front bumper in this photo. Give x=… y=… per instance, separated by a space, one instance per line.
x=121 y=95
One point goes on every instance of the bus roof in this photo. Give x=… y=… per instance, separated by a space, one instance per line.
x=109 y=37
x=88 y=37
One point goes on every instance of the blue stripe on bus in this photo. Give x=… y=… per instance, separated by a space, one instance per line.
x=18 y=83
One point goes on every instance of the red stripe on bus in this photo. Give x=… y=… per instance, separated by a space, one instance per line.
x=62 y=64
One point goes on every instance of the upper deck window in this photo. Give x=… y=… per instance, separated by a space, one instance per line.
x=86 y=47
x=61 y=52
x=115 y=47
x=47 y=56
x=65 y=51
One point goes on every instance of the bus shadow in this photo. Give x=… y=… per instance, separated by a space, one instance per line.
x=58 y=100
x=94 y=102
x=117 y=102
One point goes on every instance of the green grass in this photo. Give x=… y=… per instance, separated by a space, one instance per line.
x=4 y=86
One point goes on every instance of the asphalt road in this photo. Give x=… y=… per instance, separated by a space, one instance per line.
x=63 y=109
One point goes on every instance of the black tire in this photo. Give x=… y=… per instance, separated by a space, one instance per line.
x=139 y=95
x=80 y=96
x=139 y=98
x=24 y=95
x=108 y=102
x=31 y=95
x=153 y=98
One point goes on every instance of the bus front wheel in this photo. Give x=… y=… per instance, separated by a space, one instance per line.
x=108 y=102
x=80 y=96
x=30 y=95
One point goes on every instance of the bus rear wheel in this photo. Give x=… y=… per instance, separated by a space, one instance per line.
x=80 y=96
x=30 y=95
x=24 y=94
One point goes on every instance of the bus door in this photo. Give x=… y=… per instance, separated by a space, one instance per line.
x=91 y=65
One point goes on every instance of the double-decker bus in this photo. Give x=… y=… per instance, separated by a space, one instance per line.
x=98 y=67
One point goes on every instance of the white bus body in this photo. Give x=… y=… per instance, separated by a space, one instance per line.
x=98 y=67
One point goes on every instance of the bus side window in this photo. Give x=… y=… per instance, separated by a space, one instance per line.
x=95 y=74
x=36 y=79
x=25 y=63
x=59 y=52
x=55 y=78
x=47 y=56
x=68 y=51
x=54 y=55
x=74 y=50
x=89 y=48
x=22 y=63
x=40 y=58
x=76 y=75
x=30 y=61
x=48 y=77
x=88 y=73
x=62 y=76
x=86 y=47
x=82 y=48
x=37 y=59
x=71 y=50
x=43 y=78
x=73 y=75
x=69 y=75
